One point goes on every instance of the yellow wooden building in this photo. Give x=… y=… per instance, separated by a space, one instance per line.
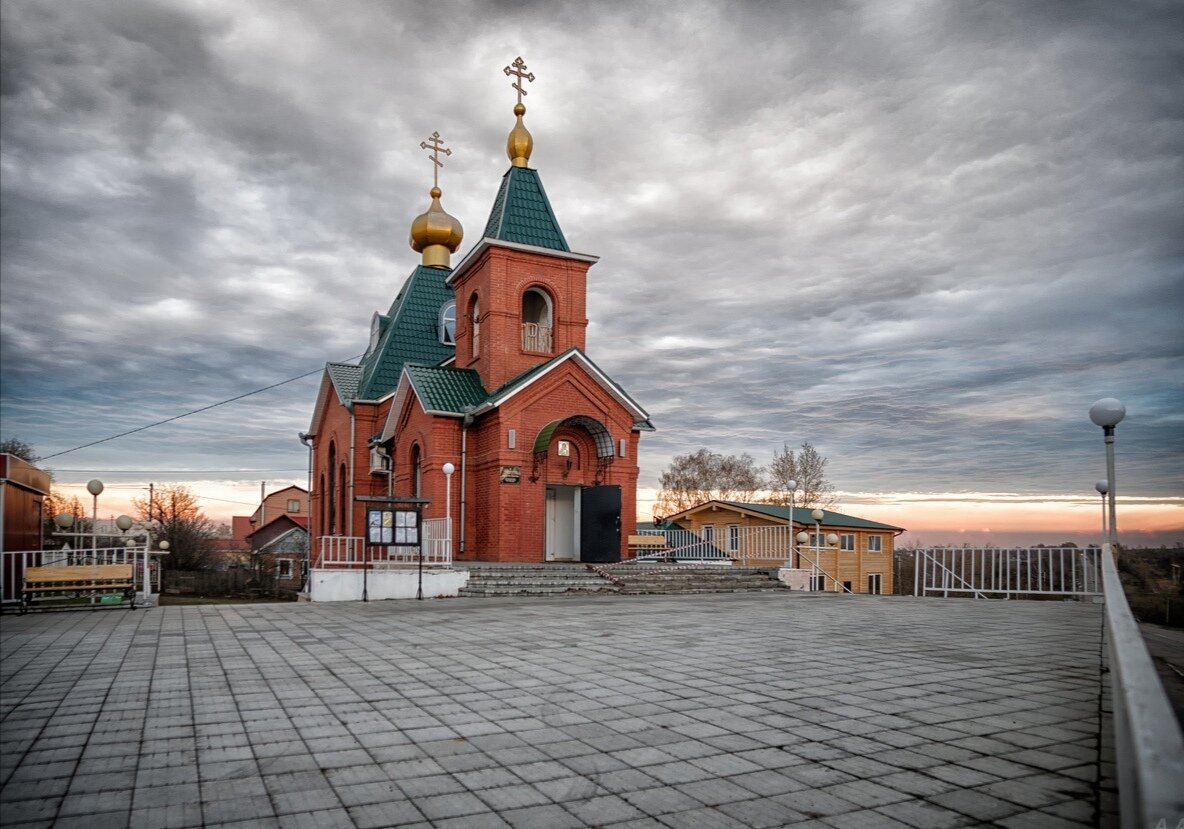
x=842 y=552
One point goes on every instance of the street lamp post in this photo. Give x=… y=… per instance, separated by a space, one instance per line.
x=448 y=470
x=94 y=486
x=1108 y=413
x=1103 y=487
x=792 y=486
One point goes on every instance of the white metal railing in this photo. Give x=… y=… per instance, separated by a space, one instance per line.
x=1148 y=742
x=682 y=545
x=350 y=552
x=990 y=572
x=436 y=542
x=13 y=564
x=536 y=337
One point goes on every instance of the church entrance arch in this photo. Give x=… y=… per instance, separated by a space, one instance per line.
x=582 y=523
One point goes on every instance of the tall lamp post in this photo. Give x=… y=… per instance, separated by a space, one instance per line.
x=448 y=469
x=1103 y=487
x=792 y=486
x=95 y=487
x=1108 y=413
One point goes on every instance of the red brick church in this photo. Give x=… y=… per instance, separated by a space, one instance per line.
x=483 y=366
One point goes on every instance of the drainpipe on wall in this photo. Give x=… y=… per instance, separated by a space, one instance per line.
x=465 y=423
x=353 y=462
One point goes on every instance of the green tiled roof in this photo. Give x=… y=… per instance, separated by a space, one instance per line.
x=802 y=516
x=345 y=377
x=521 y=212
x=412 y=333
x=443 y=389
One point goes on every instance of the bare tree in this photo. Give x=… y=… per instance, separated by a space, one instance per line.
x=181 y=523
x=808 y=468
x=19 y=448
x=705 y=476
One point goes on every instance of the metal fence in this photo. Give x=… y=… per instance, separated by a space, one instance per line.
x=1149 y=746
x=1000 y=573
x=15 y=562
x=350 y=552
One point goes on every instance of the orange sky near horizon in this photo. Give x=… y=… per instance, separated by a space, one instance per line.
x=930 y=518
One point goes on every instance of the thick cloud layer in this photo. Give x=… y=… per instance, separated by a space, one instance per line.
x=922 y=236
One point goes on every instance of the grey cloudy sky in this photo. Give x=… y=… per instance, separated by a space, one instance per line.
x=922 y=236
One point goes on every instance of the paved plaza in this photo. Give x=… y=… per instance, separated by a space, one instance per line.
x=737 y=710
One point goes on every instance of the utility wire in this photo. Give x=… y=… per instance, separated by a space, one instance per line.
x=187 y=414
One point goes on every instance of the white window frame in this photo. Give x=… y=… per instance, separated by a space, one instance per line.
x=707 y=533
x=448 y=315
x=879 y=584
x=818 y=583
x=847 y=542
x=875 y=543
x=733 y=538
x=279 y=568
x=293 y=505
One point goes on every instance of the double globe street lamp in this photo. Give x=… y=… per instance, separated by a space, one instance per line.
x=1108 y=413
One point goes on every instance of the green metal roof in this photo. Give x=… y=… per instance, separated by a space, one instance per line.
x=411 y=335
x=345 y=377
x=802 y=515
x=521 y=212
x=443 y=389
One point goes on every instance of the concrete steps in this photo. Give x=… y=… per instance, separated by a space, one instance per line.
x=637 y=579
x=491 y=579
x=488 y=579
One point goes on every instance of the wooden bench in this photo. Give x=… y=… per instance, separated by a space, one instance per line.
x=74 y=581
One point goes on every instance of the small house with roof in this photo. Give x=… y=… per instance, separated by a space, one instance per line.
x=483 y=366
x=859 y=559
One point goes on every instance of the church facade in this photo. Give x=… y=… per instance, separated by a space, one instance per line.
x=477 y=398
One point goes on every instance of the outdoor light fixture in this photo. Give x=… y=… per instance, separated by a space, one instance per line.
x=124 y=522
x=1102 y=487
x=95 y=487
x=792 y=486
x=1108 y=413
x=64 y=521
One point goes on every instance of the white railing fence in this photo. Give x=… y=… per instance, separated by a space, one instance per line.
x=989 y=572
x=1149 y=746
x=350 y=552
x=536 y=337
x=15 y=562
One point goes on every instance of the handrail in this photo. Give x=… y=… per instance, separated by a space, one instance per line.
x=1150 y=748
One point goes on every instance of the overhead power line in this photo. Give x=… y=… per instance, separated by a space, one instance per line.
x=187 y=414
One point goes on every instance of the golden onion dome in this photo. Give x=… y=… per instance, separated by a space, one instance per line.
x=436 y=234
x=520 y=143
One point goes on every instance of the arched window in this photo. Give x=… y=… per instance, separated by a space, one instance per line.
x=416 y=477
x=448 y=323
x=536 y=321
x=324 y=505
x=341 y=500
x=331 y=500
x=475 y=322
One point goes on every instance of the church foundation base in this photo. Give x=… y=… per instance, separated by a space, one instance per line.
x=347 y=585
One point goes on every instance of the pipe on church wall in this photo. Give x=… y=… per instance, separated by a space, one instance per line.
x=465 y=423
x=353 y=462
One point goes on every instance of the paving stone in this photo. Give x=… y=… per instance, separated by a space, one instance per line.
x=569 y=718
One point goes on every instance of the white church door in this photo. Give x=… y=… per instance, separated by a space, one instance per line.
x=563 y=523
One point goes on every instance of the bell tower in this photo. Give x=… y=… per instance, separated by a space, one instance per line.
x=521 y=292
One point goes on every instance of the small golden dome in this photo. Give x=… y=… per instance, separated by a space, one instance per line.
x=436 y=234
x=520 y=143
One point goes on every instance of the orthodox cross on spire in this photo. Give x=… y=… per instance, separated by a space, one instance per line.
x=436 y=146
x=518 y=68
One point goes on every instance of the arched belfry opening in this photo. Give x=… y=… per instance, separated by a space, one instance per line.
x=537 y=321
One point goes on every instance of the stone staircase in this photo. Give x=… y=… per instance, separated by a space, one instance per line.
x=491 y=579
x=637 y=579
x=487 y=579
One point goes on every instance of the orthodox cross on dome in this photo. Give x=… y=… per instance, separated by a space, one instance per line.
x=518 y=68
x=436 y=146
